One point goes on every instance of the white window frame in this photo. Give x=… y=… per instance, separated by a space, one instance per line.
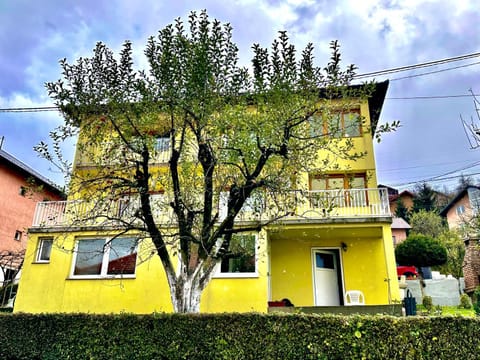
x=106 y=254
x=239 y=275
x=40 y=247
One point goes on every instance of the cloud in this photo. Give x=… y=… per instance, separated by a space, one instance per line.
x=374 y=34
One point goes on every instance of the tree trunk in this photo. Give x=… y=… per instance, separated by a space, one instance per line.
x=187 y=291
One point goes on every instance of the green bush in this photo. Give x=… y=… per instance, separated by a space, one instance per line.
x=427 y=303
x=465 y=302
x=476 y=300
x=236 y=336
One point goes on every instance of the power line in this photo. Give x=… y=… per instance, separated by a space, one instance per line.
x=435 y=180
x=31 y=109
x=419 y=166
x=442 y=177
x=434 y=72
x=431 y=97
x=359 y=76
x=55 y=108
x=417 y=66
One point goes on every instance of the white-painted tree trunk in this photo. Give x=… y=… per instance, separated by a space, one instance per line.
x=186 y=290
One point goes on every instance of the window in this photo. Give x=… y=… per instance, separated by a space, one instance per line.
x=351 y=190
x=474 y=196
x=162 y=149
x=241 y=257
x=339 y=124
x=162 y=143
x=18 y=235
x=44 y=250
x=22 y=191
x=338 y=181
x=460 y=209
x=103 y=257
x=324 y=261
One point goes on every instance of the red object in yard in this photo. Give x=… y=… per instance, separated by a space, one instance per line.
x=276 y=303
x=408 y=271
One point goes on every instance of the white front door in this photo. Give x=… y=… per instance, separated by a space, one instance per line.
x=326 y=271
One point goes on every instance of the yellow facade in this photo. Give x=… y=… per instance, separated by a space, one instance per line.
x=367 y=261
x=49 y=287
x=355 y=234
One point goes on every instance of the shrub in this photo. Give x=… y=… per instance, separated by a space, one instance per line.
x=420 y=251
x=427 y=303
x=236 y=336
x=465 y=302
x=476 y=300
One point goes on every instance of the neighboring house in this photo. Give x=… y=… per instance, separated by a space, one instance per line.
x=21 y=188
x=460 y=210
x=399 y=230
x=312 y=257
x=399 y=226
x=405 y=196
x=461 y=214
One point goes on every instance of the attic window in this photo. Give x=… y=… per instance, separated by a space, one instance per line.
x=342 y=123
x=22 y=191
x=18 y=235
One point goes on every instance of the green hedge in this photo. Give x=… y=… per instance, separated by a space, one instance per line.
x=237 y=336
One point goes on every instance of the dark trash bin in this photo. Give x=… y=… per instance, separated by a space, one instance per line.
x=410 y=304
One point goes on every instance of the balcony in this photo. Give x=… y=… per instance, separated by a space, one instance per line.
x=306 y=205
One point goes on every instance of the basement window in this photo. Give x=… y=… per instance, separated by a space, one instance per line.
x=100 y=258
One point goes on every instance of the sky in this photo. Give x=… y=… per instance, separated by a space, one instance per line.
x=374 y=35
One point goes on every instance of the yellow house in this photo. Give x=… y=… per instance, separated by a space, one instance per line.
x=338 y=239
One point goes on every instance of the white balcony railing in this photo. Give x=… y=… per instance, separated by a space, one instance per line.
x=351 y=203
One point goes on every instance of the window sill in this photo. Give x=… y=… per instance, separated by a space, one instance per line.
x=40 y=262
x=235 y=275
x=101 y=277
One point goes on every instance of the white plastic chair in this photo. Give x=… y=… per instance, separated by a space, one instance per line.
x=354 y=297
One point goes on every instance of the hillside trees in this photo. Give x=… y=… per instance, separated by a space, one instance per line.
x=230 y=139
x=425 y=198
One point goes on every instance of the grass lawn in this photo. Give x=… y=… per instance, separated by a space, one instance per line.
x=448 y=310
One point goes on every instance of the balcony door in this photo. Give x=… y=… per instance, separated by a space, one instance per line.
x=327 y=277
x=343 y=189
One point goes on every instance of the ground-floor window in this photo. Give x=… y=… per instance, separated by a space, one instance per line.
x=241 y=258
x=100 y=257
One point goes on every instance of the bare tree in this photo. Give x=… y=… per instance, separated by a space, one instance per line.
x=472 y=129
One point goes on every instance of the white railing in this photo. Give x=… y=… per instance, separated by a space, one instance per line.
x=351 y=203
x=49 y=213
x=344 y=203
